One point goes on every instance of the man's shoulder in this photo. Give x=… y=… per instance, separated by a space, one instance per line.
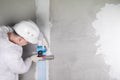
x=8 y=45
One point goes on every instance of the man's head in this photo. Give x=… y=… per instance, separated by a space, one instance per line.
x=25 y=32
x=15 y=38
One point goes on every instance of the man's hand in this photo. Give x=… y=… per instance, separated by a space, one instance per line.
x=35 y=58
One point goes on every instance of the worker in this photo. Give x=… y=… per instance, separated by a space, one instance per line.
x=11 y=42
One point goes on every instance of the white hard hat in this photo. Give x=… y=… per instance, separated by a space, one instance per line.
x=28 y=30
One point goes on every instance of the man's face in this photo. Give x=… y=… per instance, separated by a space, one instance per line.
x=21 y=41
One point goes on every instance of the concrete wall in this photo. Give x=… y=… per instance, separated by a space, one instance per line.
x=73 y=41
x=13 y=11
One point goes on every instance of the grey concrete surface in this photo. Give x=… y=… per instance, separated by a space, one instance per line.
x=13 y=11
x=73 y=41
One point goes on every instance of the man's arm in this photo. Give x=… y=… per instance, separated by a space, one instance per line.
x=16 y=63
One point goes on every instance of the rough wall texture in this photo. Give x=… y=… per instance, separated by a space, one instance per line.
x=73 y=41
